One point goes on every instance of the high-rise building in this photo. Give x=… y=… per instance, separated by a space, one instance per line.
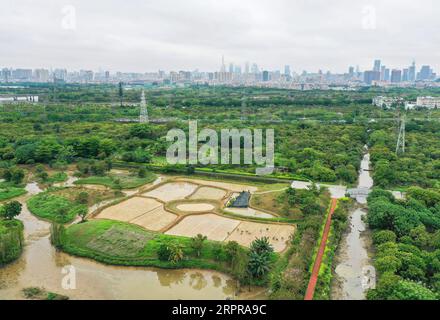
x=376 y=65
x=231 y=68
x=22 y=74
x=246 y=67
x=351 y=72
x=223 y=66
x=370 y=76
x=382 y=73
x=386 y=76
x=412 y=72
x=405 y=75
x=287 y=70
x=425 y=73
x=254 y=68
x=265 y=75
x=396 y=75
x=5 y=74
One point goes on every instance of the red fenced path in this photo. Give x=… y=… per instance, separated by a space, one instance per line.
x=315 y=272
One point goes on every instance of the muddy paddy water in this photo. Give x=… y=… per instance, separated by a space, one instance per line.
x=42 y=266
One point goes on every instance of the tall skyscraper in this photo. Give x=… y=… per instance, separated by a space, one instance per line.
x=231 y=68
x=376 y=65
x=412 y=72
x=396 y=75
x=223 y=66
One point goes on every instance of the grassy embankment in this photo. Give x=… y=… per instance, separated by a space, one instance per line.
x=11 y=240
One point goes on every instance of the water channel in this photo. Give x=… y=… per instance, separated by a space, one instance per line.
x=354 y=272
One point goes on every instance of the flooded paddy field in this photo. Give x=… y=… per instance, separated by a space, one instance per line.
x=41 y=265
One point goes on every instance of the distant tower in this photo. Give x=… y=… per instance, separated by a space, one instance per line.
x=143 y=117
x=400 y=147
x=223 y=67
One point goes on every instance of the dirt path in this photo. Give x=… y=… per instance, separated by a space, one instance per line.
x=315 y=272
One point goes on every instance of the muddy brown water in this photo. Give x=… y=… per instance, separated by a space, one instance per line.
x=41 y=265
x=354 y=271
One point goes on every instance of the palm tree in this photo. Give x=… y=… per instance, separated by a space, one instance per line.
x=258 y=264
x=176 y=252
x=197 y=243
x=262 y=246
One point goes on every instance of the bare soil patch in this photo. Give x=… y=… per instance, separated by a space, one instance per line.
x=195 y=207
x=172 y=191
x=129 y=209
x=211 y=225
x=247 y=232
x=156 y=219
x=225 y=185
x=209 y=193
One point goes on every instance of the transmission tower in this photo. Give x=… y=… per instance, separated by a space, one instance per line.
x=143 y=117
x=400 y=147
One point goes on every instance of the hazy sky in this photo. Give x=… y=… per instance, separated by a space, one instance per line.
x=147 y=35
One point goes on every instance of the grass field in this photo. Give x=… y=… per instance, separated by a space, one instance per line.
x=54 y=207
x=111 y=181
x=10 y=192
x=57 y=177
x=122 y=243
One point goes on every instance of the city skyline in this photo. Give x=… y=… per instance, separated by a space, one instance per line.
x=145 y=36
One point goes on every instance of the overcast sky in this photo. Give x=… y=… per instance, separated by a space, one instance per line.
x=147 y=35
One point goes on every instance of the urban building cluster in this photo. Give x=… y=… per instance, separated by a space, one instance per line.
x=383 y=74
x=236 y=75
x=421 y=102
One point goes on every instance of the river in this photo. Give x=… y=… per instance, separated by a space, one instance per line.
x=354 y=270
x=41 y=265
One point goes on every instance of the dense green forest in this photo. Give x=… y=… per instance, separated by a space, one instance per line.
x=407 y=242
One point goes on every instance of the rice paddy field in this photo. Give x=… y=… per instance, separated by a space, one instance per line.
x=194 y=206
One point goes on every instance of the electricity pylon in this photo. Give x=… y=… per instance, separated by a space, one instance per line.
x=400 y=147
x=143 y=117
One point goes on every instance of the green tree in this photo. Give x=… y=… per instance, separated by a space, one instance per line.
x=259 y=264
x=383 y=236
x=83 y=197
x=197 y=243
x=176 y=252
x=11 y=209
x=82 y=213
x=261 y=246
